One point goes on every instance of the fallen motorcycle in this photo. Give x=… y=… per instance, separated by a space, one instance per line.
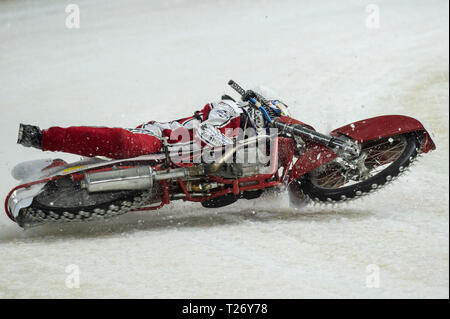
x=350 y=162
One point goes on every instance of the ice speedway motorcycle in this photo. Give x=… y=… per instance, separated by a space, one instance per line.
x=351 y=161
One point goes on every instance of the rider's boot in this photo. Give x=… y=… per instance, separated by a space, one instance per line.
x=30 y=136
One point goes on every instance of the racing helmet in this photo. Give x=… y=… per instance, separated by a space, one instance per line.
x=273 y=99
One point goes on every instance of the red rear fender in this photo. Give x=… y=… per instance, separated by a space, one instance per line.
x=384 y=126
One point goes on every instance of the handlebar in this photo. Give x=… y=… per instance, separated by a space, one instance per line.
x=341 y=146
x=259 y=102
x=236 y=87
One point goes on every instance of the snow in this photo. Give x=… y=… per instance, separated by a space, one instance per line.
x=133 y=61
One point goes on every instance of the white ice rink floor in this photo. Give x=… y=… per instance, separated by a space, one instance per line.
x=134 y=61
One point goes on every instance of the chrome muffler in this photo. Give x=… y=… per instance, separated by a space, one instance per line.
x=139 y=177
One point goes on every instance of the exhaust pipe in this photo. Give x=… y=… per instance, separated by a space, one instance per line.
x=139 y=177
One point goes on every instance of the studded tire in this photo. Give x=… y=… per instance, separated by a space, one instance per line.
x=56 y=204
x=342 y=193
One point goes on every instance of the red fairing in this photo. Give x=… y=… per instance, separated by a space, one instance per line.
x=99 y=141
x=384 y=126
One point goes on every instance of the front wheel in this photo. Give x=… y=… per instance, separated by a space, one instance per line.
x=380 y=162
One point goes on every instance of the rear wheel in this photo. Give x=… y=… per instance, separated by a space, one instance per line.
x=380 y=162
x=64 y=200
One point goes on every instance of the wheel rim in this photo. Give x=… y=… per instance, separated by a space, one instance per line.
x=376 y=157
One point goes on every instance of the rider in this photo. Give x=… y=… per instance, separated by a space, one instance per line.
x=206 y=127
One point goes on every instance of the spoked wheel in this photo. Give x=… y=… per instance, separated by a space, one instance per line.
x=64 y=200
x=379 y=163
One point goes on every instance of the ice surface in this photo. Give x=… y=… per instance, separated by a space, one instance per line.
x=133 y=61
